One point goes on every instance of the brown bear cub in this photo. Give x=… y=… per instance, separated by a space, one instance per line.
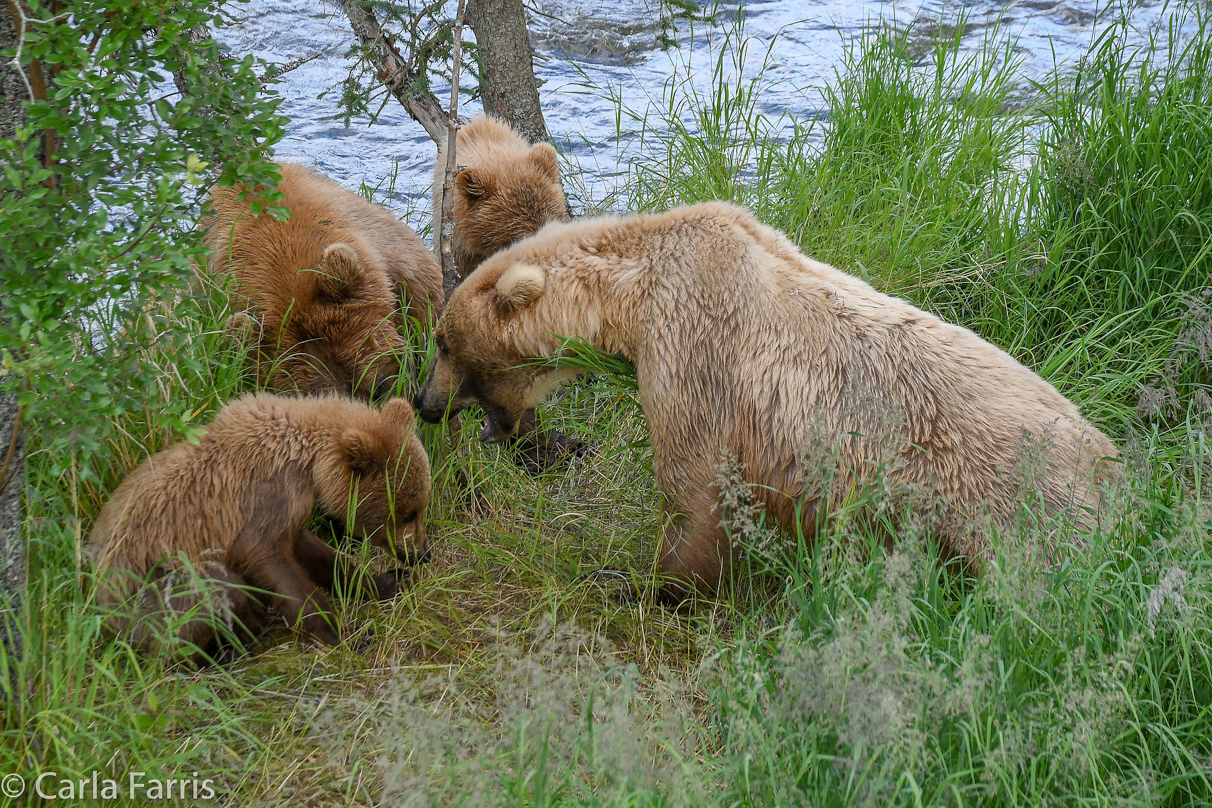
x=329 y=289
x=230 y=512
x=749 y=354
x=505 y=191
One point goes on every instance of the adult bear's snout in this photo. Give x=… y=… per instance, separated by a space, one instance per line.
x=430 y=411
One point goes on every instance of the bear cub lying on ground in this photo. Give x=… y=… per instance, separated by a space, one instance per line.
x=329 y=289
x=232 y=510
x=751 y=355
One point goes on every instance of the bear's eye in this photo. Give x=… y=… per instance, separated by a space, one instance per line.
x=442 y=345
x=409 y=517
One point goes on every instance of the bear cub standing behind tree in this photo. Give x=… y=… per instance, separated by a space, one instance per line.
x=231 y=510
x=505 y=190
x=329 y=289
x=753 y=357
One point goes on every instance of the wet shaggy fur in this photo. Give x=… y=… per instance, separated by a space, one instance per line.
x=505 y=191
x=747 y=350
x=328 y=289
x=195 y=524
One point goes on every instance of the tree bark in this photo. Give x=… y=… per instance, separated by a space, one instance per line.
x=394 y=72
x=507 y=84
x=14 y=89
x=194 y=36
x=12 y=542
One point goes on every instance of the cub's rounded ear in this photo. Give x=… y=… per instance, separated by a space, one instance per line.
x=544 y=156
x=474 y=183
x=364 y=453
x=399 y=412
x=520 y=285
x=341 y=273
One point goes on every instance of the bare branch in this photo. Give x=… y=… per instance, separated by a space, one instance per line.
x=394 y=71
x=20 y=20
x=450 y=277
x=276 y=70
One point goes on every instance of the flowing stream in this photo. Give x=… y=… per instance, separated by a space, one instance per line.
x=594 y=58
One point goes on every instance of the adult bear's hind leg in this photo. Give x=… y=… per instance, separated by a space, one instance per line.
x=694 y=554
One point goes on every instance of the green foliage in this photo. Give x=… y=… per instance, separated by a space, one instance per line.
x=685 y=10
x=104 y=227
x=99 y=238
x=1068 y=227
x=423 y=35
x=891 y=683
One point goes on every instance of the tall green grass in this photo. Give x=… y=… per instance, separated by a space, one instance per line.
x=1065 y=221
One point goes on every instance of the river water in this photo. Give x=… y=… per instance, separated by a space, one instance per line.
x=596 y=57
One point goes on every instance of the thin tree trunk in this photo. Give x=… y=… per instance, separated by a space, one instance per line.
x=14 y=84
x=199 y=33
x=15 y=88
x=393 y=71
x=507 y=84
x=445 y=234
x=12 y=542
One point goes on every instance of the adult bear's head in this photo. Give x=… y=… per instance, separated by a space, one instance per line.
x=494 y=334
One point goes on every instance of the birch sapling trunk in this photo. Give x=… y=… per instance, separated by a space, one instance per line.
x=16 y=85
x=445 y=235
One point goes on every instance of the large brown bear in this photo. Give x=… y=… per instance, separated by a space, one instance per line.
x=505 y=190
x=195 y=523
x=748 y=352
x=329 y=288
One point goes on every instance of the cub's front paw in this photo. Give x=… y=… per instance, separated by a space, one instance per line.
x=389 y=584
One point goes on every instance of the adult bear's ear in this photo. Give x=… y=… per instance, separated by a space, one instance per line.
x=399 y=413
x=474 y=183
x=341 y=273
x=520 y=285
x=364 y=453
x=545 y=157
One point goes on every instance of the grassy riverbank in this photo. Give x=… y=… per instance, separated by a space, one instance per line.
x=1069 y=223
